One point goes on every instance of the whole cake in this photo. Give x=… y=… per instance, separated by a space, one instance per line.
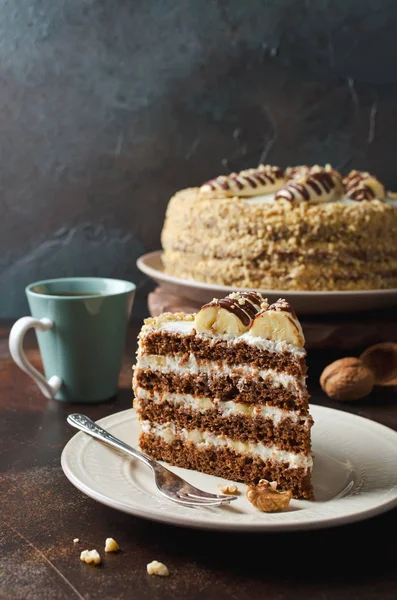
x=224 y=392
x=304 y=228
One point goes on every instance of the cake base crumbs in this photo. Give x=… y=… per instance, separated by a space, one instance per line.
x=229 y=488
x=76 y=540
x=111 y=545
x=90 y=556
x=157 y=568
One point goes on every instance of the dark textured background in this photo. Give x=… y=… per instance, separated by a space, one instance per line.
x=106 y=108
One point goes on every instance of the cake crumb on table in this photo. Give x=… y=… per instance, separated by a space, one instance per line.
x=90 y=556
x=157 y=568
x=229 y=488
x=76 y=541
x=111 y=545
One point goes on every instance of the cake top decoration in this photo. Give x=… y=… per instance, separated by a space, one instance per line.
x=242 y=312
x=279 y=323
x=361 y=185
x=265 y=179
x=232 y=315
x=315 y=184
x=301 y=183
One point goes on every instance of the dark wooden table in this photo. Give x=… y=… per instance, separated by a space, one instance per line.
x=41 y=513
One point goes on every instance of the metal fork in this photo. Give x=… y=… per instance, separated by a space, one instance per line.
x=168 y=483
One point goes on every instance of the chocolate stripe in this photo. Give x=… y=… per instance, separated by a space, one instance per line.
x=244 y=305
x=284 y=306
x=233 y=307
x=325 y=179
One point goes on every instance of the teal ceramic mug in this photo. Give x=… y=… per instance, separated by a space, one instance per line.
x=81 y=325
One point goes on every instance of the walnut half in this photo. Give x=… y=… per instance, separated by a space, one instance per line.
x=267 y=498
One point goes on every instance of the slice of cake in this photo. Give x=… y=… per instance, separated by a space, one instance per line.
x=224 y=392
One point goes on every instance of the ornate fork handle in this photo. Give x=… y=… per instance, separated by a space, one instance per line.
x=85 y=424
x=167 y=482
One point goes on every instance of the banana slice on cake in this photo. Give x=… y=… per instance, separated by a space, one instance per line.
x=265 y=179
x=232 y=315
x=278 y=323
x=317 y=185
x=361 y=185
x=213 y=318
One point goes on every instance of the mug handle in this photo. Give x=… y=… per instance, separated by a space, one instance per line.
x=15 y=342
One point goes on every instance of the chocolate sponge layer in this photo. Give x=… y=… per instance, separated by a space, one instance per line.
x=228 y=464
x=285 y=435
x=165 y=343
x=224 y=387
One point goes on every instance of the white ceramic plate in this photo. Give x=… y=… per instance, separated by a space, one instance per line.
x=354 y=476
x=303 y=302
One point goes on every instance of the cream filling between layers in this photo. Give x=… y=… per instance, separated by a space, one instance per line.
x=187 y=328
x=225 y=408
x=269 y=199
x=204 y=439
x=180 y=366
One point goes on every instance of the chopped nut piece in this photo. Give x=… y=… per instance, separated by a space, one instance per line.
x=157 y=568
x=90 y=556
x=229 y=488
x=76 y=541
x=267 y=498
x=111 y=545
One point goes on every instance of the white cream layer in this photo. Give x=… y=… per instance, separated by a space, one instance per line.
x=187 y=327
x=204 y=439
x=269 y=199
x=178 y=365
x=225 y=408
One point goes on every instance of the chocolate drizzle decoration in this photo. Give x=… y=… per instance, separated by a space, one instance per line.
x=361 y=192
x=354 y=178
x=253 y=297
x=234 y=307
x=361 y=185
x=297 y=172
x=284 y=306
x=245 y=305
x=320 y=181
x=290 y=191
x=249 y=180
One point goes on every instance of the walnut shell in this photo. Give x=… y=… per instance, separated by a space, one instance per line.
x=347 y=379
x=381 y=359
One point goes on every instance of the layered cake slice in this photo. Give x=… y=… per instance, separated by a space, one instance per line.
x=224 y=392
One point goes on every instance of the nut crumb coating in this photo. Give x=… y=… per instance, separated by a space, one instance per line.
x=280 y=245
